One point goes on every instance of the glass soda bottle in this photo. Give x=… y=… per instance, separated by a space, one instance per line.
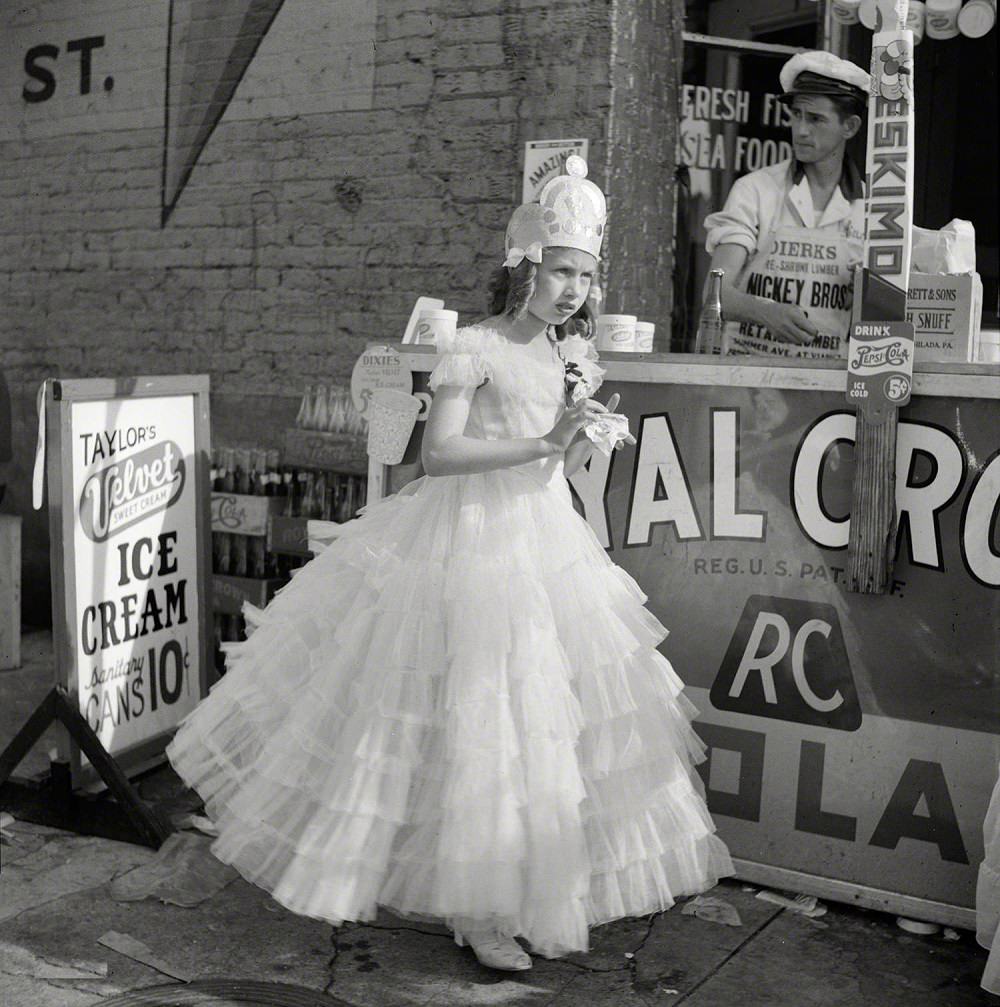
x=238 y=557
x=272 y=480
x=222 y=542
x=341 y=511
x=711 y=327
x=304 y=418
x=321 y=408
x=217 y=537
x=259 y=482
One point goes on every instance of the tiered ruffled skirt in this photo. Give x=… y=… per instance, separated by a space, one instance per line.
x=458 y=711
x=988 y=895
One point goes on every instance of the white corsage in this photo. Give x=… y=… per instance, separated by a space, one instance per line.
x=583 y=374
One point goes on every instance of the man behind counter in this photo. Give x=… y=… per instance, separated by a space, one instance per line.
x=790 y=234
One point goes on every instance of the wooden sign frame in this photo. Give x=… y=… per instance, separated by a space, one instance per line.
x=59 y=399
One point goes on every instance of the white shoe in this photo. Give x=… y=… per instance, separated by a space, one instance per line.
x=498 y=952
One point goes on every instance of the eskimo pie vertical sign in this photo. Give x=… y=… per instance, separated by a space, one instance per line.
x=133 y=505
x=890 y=152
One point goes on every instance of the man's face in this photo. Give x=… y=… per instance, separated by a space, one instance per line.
x=817 y=129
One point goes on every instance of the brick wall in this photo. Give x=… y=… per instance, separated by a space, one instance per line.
x=642 y=139
x=328 y=197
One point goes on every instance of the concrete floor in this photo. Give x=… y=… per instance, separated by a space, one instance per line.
x=21 y=690
x=56 y=901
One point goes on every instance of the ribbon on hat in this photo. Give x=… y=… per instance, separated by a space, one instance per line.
x=533 y=253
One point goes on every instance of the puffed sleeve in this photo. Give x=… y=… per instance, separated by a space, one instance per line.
x=738 y=222
x=462 y=361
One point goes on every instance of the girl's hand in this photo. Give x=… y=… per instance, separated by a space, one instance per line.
x=611 y=407
x=572 y=420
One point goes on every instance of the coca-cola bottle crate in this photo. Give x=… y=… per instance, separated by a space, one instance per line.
x=229 y=593
x=321 y=449
x=300 y=536
x=243 y=513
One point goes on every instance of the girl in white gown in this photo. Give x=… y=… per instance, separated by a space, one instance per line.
x=988 y=895
x=457 y=710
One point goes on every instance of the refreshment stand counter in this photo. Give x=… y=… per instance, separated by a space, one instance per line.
x=853 y=739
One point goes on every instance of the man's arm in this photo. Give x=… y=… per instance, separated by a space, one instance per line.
x=786 y=322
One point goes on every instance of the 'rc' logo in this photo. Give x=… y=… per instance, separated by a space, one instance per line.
x=787 y=660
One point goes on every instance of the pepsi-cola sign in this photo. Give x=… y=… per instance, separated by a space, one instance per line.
x=880 y=367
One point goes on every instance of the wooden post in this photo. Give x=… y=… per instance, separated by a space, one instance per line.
x=888 y=224
x=378 y=482
x=10 y=591
x=873 y=514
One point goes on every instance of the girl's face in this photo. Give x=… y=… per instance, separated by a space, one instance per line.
x=562 y=282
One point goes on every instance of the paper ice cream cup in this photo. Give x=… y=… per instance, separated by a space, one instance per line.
x=434 y=323
x=845 y=11
x=977 y=17
x=616 y=333
x=915 y=15
x=392 y=415
x=941 y=18
x=644 y=332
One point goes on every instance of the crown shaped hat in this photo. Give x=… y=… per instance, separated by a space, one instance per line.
x=570 y=213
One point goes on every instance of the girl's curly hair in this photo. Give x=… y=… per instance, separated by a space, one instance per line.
x=511 y=289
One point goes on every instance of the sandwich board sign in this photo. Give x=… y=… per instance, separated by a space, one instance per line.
x=127 y=471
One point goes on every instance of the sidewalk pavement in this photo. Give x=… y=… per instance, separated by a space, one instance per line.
x=57 y=899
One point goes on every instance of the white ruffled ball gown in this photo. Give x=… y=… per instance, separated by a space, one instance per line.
x=457 y=710
x=988 y=895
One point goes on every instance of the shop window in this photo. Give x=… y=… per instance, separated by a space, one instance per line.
x=733 y=51
x=730 y=120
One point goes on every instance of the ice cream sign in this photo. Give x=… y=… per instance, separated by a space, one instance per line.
x=126 y=492
x=126 y=476
x=880 y=367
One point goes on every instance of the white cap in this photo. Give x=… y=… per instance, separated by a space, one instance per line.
x=820 y=72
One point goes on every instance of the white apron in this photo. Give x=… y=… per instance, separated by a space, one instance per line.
x=807 y=266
